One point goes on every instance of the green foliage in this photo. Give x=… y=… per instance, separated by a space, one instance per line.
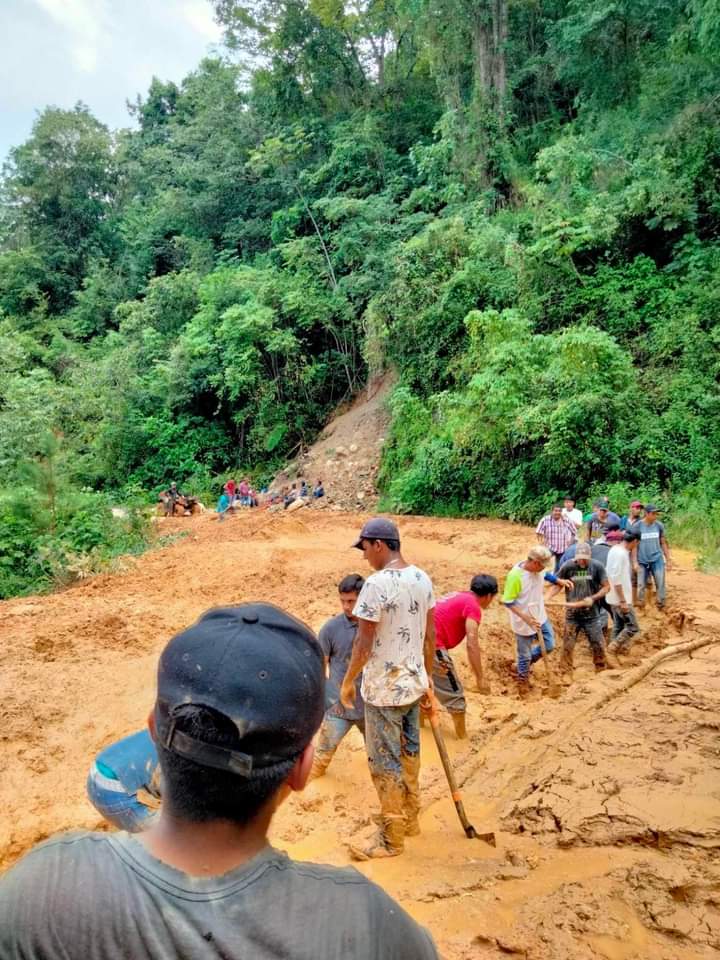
x=515 y=205
x=52 y=533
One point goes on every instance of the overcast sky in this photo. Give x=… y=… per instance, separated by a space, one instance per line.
x=102 y=52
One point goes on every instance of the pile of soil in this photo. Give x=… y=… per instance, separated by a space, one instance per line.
x=346 y=456
x=605 y=802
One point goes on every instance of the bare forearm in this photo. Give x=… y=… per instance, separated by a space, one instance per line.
x=602 y=592
x=429 y=646
x=475 y=658
x=362 y=648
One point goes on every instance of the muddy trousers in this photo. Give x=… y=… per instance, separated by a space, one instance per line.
x=392 y=737
x=625 y=627
x=528 y=649
x=332 y=732
x=593 y=631
x=655 y=570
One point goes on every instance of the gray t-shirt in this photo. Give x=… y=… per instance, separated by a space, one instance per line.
x=95 y=896
x=336 y=639
x=649 y=549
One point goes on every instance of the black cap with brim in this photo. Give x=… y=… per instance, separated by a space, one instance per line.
x=260 y=667
x=379 y=528
x=651 y=508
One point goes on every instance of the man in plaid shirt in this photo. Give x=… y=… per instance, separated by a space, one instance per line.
x=556 y=533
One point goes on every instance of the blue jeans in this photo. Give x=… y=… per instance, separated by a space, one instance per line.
x=332 y=732
x=528 y=649
x=121 y=808
x=391 y=733
x=656 y=570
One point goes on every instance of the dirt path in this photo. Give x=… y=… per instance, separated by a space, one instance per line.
x=607 y=811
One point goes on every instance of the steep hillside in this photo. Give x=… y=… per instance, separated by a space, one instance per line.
x=346 y=455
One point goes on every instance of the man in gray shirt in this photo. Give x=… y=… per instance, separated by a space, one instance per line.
x=336 y=639
x=240 y=697
x=653 y=555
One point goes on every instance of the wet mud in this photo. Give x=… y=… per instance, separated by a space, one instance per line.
x=605 y=803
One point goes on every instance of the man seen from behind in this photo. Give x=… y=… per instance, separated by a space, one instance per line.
x=620 y=597
x=239 y=699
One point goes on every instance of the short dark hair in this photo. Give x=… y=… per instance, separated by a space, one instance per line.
x=630 y=536
x=393 y=545
x=352 y=583
x=557 y=506
x=484 y=584
x=202 y=794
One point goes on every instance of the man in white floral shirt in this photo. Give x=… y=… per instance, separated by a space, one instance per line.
x=394 y=648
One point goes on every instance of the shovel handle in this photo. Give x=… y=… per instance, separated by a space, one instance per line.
x=469 y=829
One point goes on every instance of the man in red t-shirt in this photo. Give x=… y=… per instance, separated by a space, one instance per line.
x=457 y=616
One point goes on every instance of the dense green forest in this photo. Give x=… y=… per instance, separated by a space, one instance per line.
x=514 y=203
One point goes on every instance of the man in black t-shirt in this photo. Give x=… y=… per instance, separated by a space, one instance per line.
x=583 y=609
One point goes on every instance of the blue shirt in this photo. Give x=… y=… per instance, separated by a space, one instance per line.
x=131 y=760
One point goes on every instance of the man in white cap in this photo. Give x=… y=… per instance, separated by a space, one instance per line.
x=394 y=648
x=524 y=599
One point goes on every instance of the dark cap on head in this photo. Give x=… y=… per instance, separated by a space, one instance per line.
x=257 y=665
x=379 y=528
x=651 y=508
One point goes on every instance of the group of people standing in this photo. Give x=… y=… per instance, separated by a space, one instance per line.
x=392 y=640
x=605 y=576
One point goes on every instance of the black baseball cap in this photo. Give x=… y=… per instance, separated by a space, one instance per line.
x=379 y=528
x=651 y=508
x=260 y=667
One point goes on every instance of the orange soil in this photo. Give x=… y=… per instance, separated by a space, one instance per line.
x=607 y=814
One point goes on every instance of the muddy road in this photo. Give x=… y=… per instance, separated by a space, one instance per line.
x=606 y=802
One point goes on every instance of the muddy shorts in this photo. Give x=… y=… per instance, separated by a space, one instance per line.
x=390 y=734
x=452 y=700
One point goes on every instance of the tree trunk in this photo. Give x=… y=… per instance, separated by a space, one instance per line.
x=490 y=33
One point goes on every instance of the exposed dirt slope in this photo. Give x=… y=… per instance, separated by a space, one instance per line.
x=346 y=456
x=606 y=808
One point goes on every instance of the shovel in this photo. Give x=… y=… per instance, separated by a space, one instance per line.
x=470 y=831
x=553 y=687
